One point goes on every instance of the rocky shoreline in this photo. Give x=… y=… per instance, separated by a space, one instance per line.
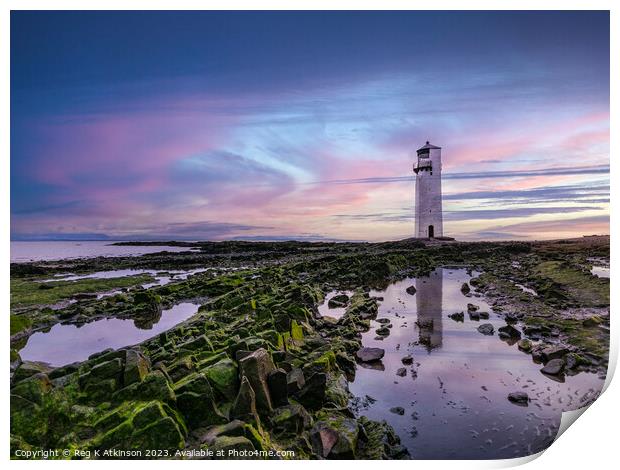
x=257 y=368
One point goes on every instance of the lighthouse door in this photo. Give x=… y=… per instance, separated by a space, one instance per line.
x=431 y=231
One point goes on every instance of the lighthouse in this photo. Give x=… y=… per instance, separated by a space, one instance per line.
x=428 y=213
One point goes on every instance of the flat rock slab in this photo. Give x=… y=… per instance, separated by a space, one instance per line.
x=370 y=354
x=486 y=329
x=553 y=367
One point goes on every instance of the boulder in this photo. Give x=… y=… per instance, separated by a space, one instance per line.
x=234 y=428
x=401 y=372
x=370 y=354
x=278 y=387
x=335 y=440
x=525 y=345
x=29 y=368
x=136 y=367
x=383 y=331
x=223 y=377
x=553 y=367
x=553 y=352
x=465 y=289
x=291 y=419
x=484 y=315
x=295 y=380
x=472 y=308
x=572 y=360
x=509 y=332
x=398 y=410
x=196 y=401
x=312 y=395
x=519 y=398
x=486 y=329
x=232 y=447
x=338 y=301
x=33 y=388
x=244 y=406
x=411 y=290
x=257 y=367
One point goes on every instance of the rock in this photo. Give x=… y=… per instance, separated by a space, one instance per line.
x=291 y=419
x=223 y=377
x=411 y=290
x=457 y=316
x=199 y=409
x=333 y=439
x=510 y=318
x=401 y=372
x=553 y=352
x=525 y=345
x=572 y=360
x=383 y=331
x=592 y=321
x=338 y=301
x=509 y=331
x=553 y=367
x=162 y=434
x=465 y=289
x=519 y=398
x=370 y=354
x=312 y=395
x=472 y=308
x=475 y=316
x=278 y=387
x=29 y=368
x=244 y=406
x=257 y=367
x=33 y=388
x=486 y=329
x=484 y=315
x=107 y=369
x=407 y=360
x=399 y=410
x=383 y=320
x=234 y=428
x=232 y=447
x=295 y=380
x=136 y=367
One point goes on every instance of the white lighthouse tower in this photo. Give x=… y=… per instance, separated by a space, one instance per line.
x=428 y=213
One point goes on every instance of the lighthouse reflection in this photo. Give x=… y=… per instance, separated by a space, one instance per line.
x=429 y=307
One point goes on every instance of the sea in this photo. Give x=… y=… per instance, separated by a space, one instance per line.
x=25 y=251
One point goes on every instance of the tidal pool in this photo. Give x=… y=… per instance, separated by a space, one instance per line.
x=337 y=312
x=600 y=271
x=64 y=344
x=454 y=395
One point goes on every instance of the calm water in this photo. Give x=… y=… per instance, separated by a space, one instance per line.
x=455 y=393
x=337 y=312
x=600 y=271
x=55 y=250
x=64 y=344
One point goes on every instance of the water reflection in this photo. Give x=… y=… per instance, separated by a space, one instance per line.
x=429 y=297
x=457 y=381
x=64 y=344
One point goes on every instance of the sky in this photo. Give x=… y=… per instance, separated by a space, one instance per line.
x=304 y=125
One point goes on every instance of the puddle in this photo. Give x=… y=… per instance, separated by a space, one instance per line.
x=64 y=344
x=337 y=312
x=161 y=277
x=600 y=271
x=454 y=395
